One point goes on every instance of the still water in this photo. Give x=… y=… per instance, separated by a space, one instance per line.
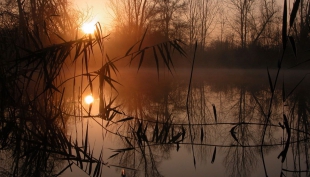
x=226 y=123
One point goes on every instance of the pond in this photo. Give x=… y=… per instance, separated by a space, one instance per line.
x=216 y=127
x=222 y=122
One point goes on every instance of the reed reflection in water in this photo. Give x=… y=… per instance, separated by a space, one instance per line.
x=150 y=134
x=152 y=126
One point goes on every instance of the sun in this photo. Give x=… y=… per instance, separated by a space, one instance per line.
x=89 y=99
x=89 y=27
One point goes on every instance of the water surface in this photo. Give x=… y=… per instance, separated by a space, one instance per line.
x=162 y=127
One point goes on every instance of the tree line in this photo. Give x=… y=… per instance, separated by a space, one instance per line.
x=225 y=31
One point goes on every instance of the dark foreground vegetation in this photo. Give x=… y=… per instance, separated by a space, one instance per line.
x=47 y=66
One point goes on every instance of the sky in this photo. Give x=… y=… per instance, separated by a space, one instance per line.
x=99 y=10
x=102 y=14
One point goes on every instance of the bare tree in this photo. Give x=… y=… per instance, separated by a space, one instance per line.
x=133 y=16
x=240 y=12
x=261 y=23
x=208 y=12
x=201 y=19
x=170 y=17
x=193 y=18
x=222 y=22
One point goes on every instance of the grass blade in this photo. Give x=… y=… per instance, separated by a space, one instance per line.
x=214 y=112
x=283 y=92
x=178 y=146
x=86 y=139
x=125 y=119
x=156 y=60
x=287 y=144
x=155 y=133
x=201 y=134
x=233 y=133
x=113 y=155
x=292 y=41
x=163 y=57
x=142 y=39
x=98 y=166
x=128 y=142
x=141 y=59
x=68 y=166
x=213 y=156
x=131 y=49
x=270 y=82
x=78 y=158
x=183 y=133
x=175 y=138
x=187 y=104
x=178 y=48
x=294 y=12
x=296 y=86
x=168 y=54
x=284 y=25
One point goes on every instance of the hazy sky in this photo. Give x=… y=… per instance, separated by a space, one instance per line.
x=99 y=9
x=101 y=13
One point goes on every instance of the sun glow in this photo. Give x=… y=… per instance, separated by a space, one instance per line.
x=89 y=27
x=89 y=99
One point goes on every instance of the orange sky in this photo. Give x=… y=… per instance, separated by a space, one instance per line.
x=99 y=10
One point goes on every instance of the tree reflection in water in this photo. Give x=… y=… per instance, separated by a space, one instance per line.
x=147 y=121
x=225 y=122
